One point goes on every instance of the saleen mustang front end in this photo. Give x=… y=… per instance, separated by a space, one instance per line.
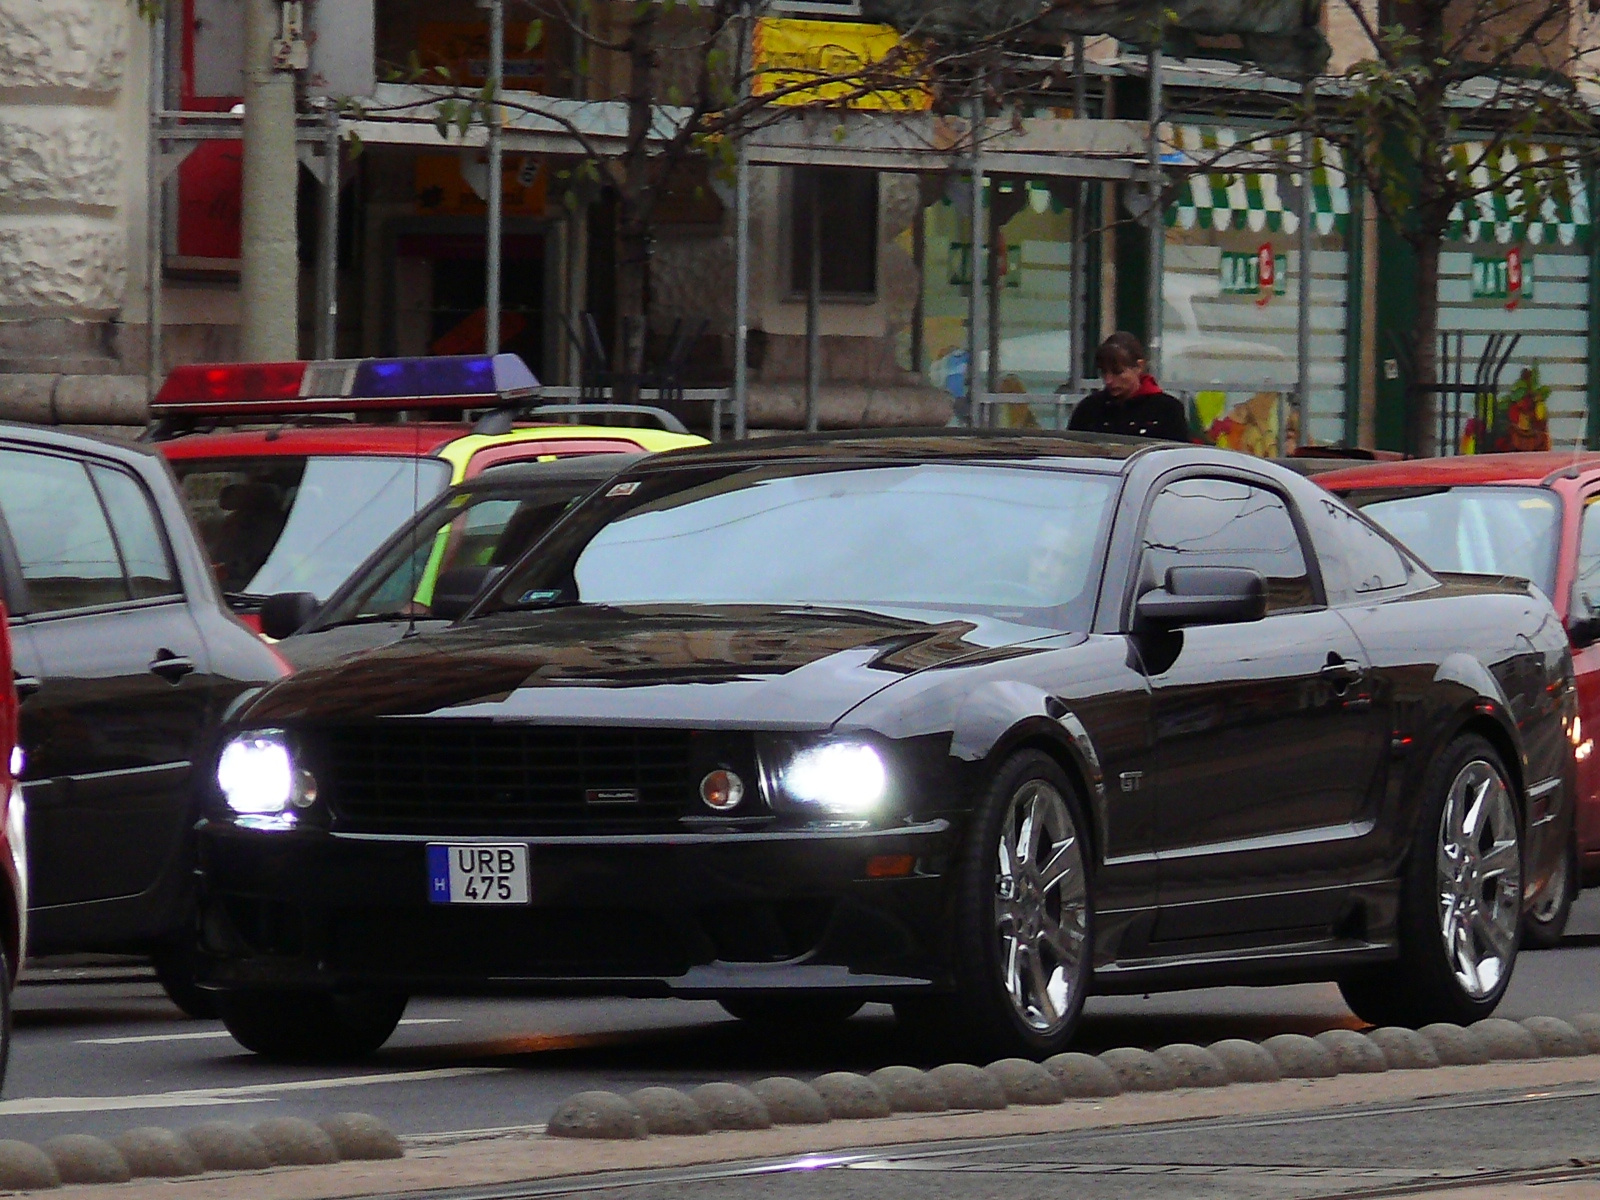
x=968 y=724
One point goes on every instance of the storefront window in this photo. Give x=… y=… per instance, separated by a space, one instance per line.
x=1231 y=286
x=1035 y=294
x=1524 y=274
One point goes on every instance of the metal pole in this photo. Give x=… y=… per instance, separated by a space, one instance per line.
x=919 y=307
x=491 y=256
x=1078 y=301
x=813 y=313
x=269 y=265
x=991 y=276
x=1157 y=229
x=155 y=198
x=328 y=242
x=975 y=331
x=741 y=275
x=1303 y=328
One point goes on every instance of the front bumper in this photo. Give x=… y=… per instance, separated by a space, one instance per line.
x=681 y=914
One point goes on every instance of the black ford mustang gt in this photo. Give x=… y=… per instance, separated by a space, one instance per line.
x=972 y=724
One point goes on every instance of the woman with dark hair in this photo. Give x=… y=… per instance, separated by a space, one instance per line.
x=1131 y=402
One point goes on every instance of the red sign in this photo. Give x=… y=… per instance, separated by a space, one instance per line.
x=1266 y=272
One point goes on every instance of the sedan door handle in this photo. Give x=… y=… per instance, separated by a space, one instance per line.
x=1342 y=672
x=171 y=667
x=25 y=685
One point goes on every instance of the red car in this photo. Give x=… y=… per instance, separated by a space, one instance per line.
x=13 y=854
x=1532 y=515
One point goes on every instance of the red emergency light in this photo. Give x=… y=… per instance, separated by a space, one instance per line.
x=460 y=382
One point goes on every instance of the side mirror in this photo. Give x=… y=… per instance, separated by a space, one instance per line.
x=284 y=613
x=1203 y=596
x=1583 y=631
x=456 y=589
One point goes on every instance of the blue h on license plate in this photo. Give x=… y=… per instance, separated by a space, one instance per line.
x=463 y=873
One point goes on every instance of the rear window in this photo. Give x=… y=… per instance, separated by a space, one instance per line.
x=1483 y=530
x=284 y=523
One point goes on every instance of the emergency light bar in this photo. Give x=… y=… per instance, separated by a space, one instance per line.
x=344 y=385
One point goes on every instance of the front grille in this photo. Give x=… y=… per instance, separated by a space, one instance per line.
x=465 y=778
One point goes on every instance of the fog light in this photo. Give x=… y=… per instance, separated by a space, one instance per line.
x=722 y=790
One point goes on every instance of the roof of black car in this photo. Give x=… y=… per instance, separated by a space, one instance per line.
x=1093 y=450
x=50 y=437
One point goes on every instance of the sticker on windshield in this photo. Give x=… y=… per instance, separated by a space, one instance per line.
x=623 y=489
x=540 y=595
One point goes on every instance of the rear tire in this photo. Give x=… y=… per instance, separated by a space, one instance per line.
x=1460 y=918
x=311 y=1027
x=1023 y=929
x=1546 y=923
x=791 y=1012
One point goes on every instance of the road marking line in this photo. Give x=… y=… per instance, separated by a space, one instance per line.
x=250 y=1093
x=223 y=1033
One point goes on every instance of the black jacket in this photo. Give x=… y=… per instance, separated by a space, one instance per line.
x=1154 y=416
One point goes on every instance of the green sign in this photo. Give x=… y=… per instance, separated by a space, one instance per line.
x=1239 y=273
x=1505 y=278
x=960 y=264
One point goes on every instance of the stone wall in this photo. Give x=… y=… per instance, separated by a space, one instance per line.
x=71 y=184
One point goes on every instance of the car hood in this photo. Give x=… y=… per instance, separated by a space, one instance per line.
x=320 y=647
x=775 y=668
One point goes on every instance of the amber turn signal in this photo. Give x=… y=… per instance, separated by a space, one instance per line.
x=890 y=866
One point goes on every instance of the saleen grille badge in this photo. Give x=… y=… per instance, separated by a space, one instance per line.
x=612 y=795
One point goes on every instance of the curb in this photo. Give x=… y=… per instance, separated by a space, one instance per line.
x=152 y=1152
x=1015 y=1081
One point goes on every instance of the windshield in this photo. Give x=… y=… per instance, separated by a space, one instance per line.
x=455 y=548
x=282 y=523
x=1483 y=530
x=952 y=537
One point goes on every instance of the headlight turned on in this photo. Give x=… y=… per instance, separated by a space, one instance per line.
x=260 y=782
x=841 y=779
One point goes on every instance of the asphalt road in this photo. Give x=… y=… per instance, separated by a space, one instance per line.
x=100 y=1050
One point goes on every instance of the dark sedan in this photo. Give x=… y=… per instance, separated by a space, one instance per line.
x=971 y=724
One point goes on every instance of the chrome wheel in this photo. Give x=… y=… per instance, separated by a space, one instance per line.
x=1555 y=895
x=1041 y=907
x=1479 y=878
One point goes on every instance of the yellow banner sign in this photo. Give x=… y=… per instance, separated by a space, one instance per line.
x=800 y=62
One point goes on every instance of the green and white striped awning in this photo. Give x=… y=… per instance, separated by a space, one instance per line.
x=1255 y=201
x=1498 y=213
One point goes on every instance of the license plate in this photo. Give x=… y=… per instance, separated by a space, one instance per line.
x=477 y=874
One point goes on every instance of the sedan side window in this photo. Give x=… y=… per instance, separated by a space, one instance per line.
x=1223 y=523
x=1586 y=583
x=138 y=534
x=64 y=543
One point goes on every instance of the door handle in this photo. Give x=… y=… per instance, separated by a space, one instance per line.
x=25 y=685
x=171 y=667
x=1342 y=672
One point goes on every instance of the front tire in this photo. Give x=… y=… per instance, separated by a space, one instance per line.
x=311 y=1027
x=1460 y=916
x=1023 y=922
x=174 y=964
x=1546 y=923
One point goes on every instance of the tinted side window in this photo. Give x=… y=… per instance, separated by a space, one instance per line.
x=1357 y=561
x=63 y=541
x=1586 y=585
x=138 y=534
x=1221 y=523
